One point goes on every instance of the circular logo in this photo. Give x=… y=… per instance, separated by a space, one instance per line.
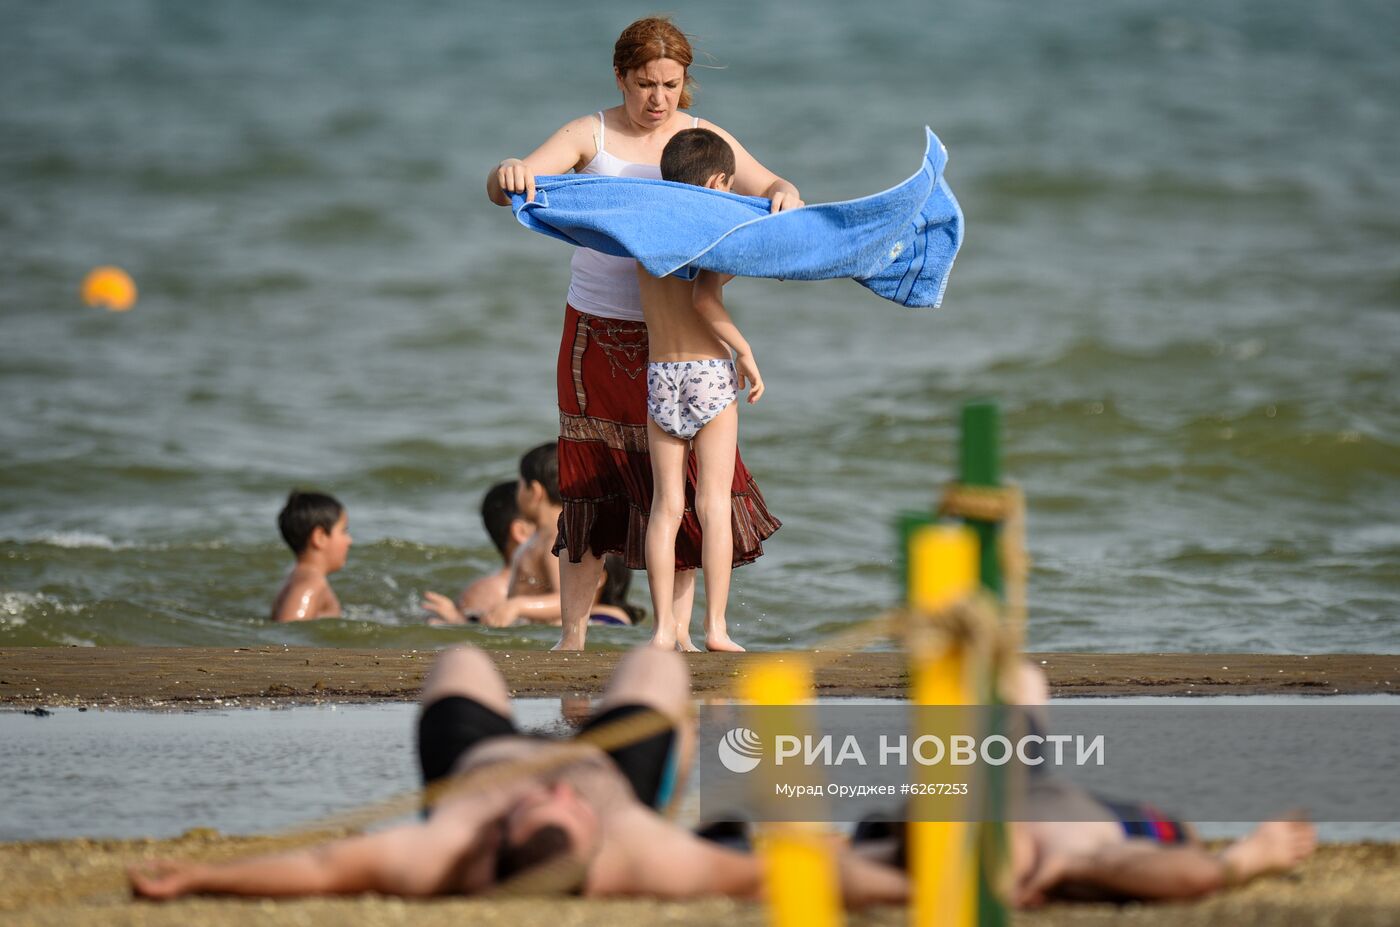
x=740 y=750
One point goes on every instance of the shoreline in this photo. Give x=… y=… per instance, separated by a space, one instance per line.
x=228 y=677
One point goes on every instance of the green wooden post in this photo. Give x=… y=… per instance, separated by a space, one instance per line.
x=980 y=465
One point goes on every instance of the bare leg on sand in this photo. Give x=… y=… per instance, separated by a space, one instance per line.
x=578 y=586
x=714 y=453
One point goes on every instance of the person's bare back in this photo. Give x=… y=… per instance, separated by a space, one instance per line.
x=675 y=331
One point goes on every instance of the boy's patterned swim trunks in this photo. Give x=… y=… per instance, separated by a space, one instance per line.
x=683 y=396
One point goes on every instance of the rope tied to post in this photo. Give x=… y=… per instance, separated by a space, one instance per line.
x=1005 y=505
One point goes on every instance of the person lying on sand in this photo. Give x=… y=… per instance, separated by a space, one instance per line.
x=1114 y=850
x=1144 y=857
x=594 y=819
x=1109 y=850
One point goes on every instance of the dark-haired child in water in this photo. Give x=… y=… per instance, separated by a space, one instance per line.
x=533 y=593
x=316 y=528
x=692 y=382
x=508 y=530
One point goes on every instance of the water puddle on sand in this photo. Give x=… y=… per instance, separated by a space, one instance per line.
x=100 y=773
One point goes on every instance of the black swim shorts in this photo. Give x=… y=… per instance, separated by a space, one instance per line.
x=454 y=724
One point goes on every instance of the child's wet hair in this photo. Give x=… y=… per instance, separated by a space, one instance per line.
x=498 y=509
x=541 y=465
x=303 y=514
x=693 y=156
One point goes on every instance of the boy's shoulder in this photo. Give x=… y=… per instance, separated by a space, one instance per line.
x=305 y=593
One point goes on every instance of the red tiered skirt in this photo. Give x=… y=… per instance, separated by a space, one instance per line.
x=604 y=466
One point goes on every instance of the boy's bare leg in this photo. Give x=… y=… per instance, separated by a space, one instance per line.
x=682 y=603
x=1149 y=871
x=715 y=446
x=470 y=672
x=658 y=679
x=578 y=586
x=668 y=459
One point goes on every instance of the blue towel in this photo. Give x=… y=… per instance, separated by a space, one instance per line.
x=900 y=243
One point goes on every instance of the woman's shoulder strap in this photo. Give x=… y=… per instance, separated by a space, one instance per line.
x=602 y=129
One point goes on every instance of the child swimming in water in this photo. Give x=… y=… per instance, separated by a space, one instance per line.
x=692 y=382
x=532 y=595
x=316 y=528
x=508 y=530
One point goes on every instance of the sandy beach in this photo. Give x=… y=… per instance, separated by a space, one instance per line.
x=177 y=677
x=80 y=883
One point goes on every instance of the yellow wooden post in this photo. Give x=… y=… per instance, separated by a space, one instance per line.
x=799 y=865
x=942 y=570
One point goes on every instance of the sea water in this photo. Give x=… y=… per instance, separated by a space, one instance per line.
x=1181 y=280
x=249 y=771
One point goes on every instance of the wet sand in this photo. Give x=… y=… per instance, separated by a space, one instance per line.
x=80 y=883
x=178 y=677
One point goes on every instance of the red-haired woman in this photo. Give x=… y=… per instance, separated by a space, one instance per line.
x=604 y=469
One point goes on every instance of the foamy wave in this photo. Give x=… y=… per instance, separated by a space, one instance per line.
x=87 y=540
x=13 y=605
x=78 y=539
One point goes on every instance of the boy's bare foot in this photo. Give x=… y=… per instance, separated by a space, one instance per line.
x=1273 y=846
x=720 y=642
x=686 y=645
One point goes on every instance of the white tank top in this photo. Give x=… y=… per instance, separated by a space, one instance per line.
x=602 y=284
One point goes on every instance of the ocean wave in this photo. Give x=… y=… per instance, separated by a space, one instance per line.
x=345 y=223
x=82 y=539
x=17 y=607
x=256 y=167
x=13 y=605
x=1074 y=184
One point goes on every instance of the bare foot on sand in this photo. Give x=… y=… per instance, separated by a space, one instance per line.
x=568 y=642
x=663 y=641
x=686 y=645
x=719 y=642
x=1273 y=846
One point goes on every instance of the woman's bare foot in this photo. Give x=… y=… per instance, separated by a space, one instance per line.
x=663 y=641
x=718 y=641
x=686 y=645
x=1273 y=846
x=567 y=642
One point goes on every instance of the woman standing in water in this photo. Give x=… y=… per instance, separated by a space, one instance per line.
x=604 y=468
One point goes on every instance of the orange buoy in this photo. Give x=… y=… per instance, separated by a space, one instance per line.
x=110 y=288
